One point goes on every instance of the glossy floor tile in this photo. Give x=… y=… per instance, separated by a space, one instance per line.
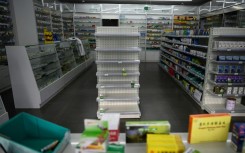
x=160 y=99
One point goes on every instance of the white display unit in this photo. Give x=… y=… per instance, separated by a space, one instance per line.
x=36 y=74
x=117 y=59
x=226 y=70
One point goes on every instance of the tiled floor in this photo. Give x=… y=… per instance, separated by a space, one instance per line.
x=160 y=99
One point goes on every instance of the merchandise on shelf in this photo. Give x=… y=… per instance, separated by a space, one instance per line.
x=85 y=25
x=185 y=22
x=43 y=20
x=155 y=26
x=68 y=27
x=57 y=26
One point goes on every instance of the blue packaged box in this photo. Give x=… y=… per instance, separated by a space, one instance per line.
x=238 y=135
x=226 y=69
x=242 y=58
x=221 y=58
x=229 y=58
x=25 y=133
x=236 y=58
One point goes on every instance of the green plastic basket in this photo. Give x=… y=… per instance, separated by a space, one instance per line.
x=29 y=134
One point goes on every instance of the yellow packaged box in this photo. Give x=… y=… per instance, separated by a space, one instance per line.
x=208 y=127
x=164 y=143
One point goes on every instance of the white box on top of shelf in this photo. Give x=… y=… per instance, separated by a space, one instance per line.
x=118 y=71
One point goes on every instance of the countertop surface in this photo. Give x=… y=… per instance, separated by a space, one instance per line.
x=212 y=147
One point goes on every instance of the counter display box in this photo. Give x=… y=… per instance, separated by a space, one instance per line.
x=136 y=131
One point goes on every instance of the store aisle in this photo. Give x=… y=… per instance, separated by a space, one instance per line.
x=160 y=99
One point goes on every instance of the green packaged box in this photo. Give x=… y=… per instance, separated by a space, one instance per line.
x=94 y=138
x=28 y=134
x=115 y=148
x=136 y=131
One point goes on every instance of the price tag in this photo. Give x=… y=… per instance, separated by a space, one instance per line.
x=102 y=86
x=240 y=62
x=119 y=62
x=229 y=84
x=236 y=95
x=228 y=49
x=236 y=74
x=106 y=74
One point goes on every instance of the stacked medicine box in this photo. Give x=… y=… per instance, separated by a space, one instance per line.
x=117 y=59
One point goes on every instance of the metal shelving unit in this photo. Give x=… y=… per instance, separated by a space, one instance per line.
x=85 y=25
x=185 y=62
x=135 y=20
x=57 y=25
x=117 y=59
x=155 y=26
x=231 y=78
x=223 y=67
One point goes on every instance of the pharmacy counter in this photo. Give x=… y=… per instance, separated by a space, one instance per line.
x=213 y=147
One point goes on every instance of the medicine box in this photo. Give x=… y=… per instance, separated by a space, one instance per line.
x=136 y=131
x=113 y=125
x=238 y=135
x=160 y=143
x=25 y=133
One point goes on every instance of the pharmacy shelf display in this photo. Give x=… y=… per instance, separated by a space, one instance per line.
x=185 y=22
x=211 y=69
x=56 y=25
x=139 y=20
x=85 y=25
x=43 y=70
x=117 y=59
x=184 y=58
x=7 y=36
x=225 y=73
x=68 y=26
x=155 y=26
x=43 y=20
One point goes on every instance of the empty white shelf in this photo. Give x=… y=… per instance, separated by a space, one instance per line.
x=129 y=49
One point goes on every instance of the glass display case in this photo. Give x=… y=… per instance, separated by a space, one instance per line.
x=6 y=28
x=66 y=56
x=3 y=113
x=43 y=70
x=45 y=64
